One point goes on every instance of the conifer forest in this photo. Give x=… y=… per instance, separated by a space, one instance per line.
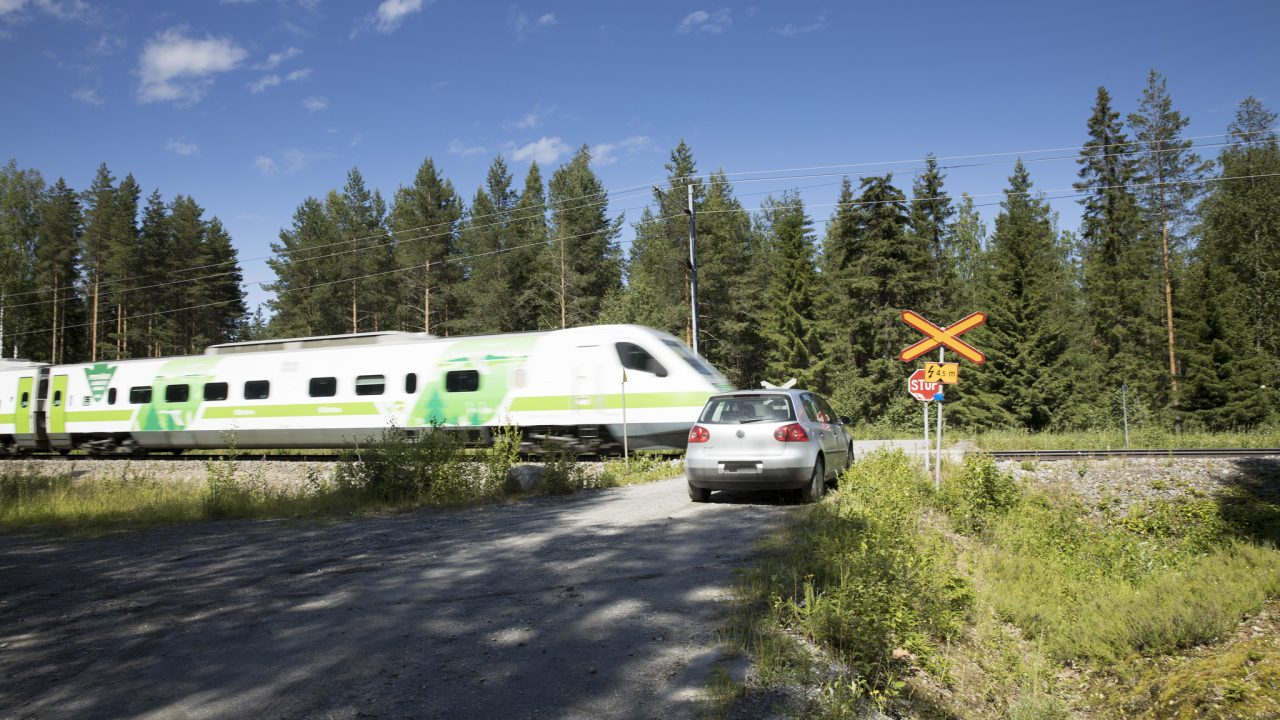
x=1168 y=292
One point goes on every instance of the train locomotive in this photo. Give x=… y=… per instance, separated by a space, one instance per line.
x=562 y=386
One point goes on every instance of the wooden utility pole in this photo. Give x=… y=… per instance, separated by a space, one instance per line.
x=426 y=295
x=693 y=273
x=93 y=339
x=564 y=308
x=1168 y=311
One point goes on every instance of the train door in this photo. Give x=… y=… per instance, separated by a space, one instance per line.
x=38 y=416
x=588 y=381
x=58 y=405
x=24 y=410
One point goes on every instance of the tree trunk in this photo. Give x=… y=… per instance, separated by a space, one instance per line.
x=354 y=323
x=564 y=306
x=426 y=295
x=53 y=337
x=1168 y=313
x=93 y=341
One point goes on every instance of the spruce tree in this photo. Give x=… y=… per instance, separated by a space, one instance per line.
x=154 y=305
x=220 y=308
x=361 y=219
x=532 y=294
x=793 y=343
x=1029 y=335
x=425 y=217
x=733 y=271
x=121 y=266
x=308 y=289
x=930 y=223
x=21 y=197
x=1119 y=269
x=100 y=209
x=486 y=248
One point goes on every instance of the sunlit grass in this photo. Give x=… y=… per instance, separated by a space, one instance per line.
x=1146 y=438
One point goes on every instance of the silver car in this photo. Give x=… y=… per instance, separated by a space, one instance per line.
x=766 y=440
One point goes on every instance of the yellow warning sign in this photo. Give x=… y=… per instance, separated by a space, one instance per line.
x=948 y=373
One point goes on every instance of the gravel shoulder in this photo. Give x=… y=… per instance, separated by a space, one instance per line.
x=604 y=604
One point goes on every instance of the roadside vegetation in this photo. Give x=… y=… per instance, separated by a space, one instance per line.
x=1148 y=437
x=400 y=472
x=991 y=599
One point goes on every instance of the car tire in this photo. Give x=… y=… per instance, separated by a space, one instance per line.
x=699 y=495
x=817 y=484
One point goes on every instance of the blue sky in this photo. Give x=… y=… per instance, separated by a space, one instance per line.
x=250 y=106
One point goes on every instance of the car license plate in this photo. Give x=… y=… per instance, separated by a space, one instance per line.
x=741 y=467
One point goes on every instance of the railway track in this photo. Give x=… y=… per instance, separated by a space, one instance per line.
x=238 y=457
x=1165 y=453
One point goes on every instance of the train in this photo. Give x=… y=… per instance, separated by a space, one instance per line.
x=573 y=388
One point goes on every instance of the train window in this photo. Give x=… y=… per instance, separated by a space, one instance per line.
x=215 y=391
x=462 y=381
x=111 y=396
x=57 y=398
x=140 y=395
x=411 y=383
x=371 y=384
x=323 y=387
x=177 y=393
x=26 y=398
x=257 y=389
x=634 y=357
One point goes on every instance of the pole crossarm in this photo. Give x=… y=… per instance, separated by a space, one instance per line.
x=947 y=337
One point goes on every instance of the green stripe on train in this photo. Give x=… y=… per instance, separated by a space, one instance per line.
x=634 y=401
x=232 y=412
x=98 y=415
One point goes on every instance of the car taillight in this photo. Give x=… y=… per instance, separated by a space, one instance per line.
x=791 y=433
x=699 y=434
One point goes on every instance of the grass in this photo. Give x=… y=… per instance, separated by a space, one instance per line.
x=1146 y=438
x=988 y=599
x=399 y=473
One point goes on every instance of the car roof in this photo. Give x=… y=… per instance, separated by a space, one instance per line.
x=793 y=392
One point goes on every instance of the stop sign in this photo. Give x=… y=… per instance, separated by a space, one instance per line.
x=920 y=388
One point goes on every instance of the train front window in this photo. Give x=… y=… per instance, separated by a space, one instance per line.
x=634 y=357
x=371 y=384
x=694 y=361
x=462 y=381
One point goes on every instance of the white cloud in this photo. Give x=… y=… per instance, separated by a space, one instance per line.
x=607 y=153
x=457 y=147
x=315 y=103
x=523 y=25
x=389 y=16
x=544 y=151
x=263 y=83
x=265 y=165
x=180 y=69
x=790 y=30
x=272 y=80
x=88 y=96
x=274 y=59
x=11 y=6
x=531 y=119
x=74 y=10
x=182 y=148
x=703 y=21
x=108 y=45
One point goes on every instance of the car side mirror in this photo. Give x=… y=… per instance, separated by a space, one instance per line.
x=845 y=420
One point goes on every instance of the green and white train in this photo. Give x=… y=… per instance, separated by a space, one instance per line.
x=563 y=386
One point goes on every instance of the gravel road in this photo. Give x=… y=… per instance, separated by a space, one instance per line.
x=604 y=604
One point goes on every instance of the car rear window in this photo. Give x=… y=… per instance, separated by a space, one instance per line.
x=748 y=409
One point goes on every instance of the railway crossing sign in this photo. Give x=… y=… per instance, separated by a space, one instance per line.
x=922 y=389
x=946 y=373
x=948 y=337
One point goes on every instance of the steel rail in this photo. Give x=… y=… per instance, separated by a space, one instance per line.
x=1146 y=453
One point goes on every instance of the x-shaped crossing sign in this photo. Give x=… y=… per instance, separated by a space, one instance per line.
x=947 y=337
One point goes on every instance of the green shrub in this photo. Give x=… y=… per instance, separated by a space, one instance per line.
x=980 y=494
x=562 y=474
x=408 y=468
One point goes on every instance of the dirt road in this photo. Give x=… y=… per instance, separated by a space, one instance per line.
x=602 y=605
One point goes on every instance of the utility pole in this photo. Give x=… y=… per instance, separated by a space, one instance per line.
x=693 y=269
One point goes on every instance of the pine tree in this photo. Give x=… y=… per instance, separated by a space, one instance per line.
x=100 y=208
x=1173 y=175
x=121 y=263
x=361 y=219
x=147 y=296
x=309 y=288
x=56 y=272
x=793 y=348
x=425 y=217
x=532 y=293
x=585 y=262
x=732 y=272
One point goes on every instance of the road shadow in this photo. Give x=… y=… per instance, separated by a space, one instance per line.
x=539 y=609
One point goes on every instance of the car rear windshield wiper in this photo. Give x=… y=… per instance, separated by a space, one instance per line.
x=744 y=421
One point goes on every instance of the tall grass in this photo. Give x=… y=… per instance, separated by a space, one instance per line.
x=1148 y=438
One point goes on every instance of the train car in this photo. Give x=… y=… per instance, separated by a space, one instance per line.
x=336 y=391
x=21 y=412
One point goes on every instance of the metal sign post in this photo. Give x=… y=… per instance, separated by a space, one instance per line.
x=937 y=465
x=925 y=405
x=626 y=456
